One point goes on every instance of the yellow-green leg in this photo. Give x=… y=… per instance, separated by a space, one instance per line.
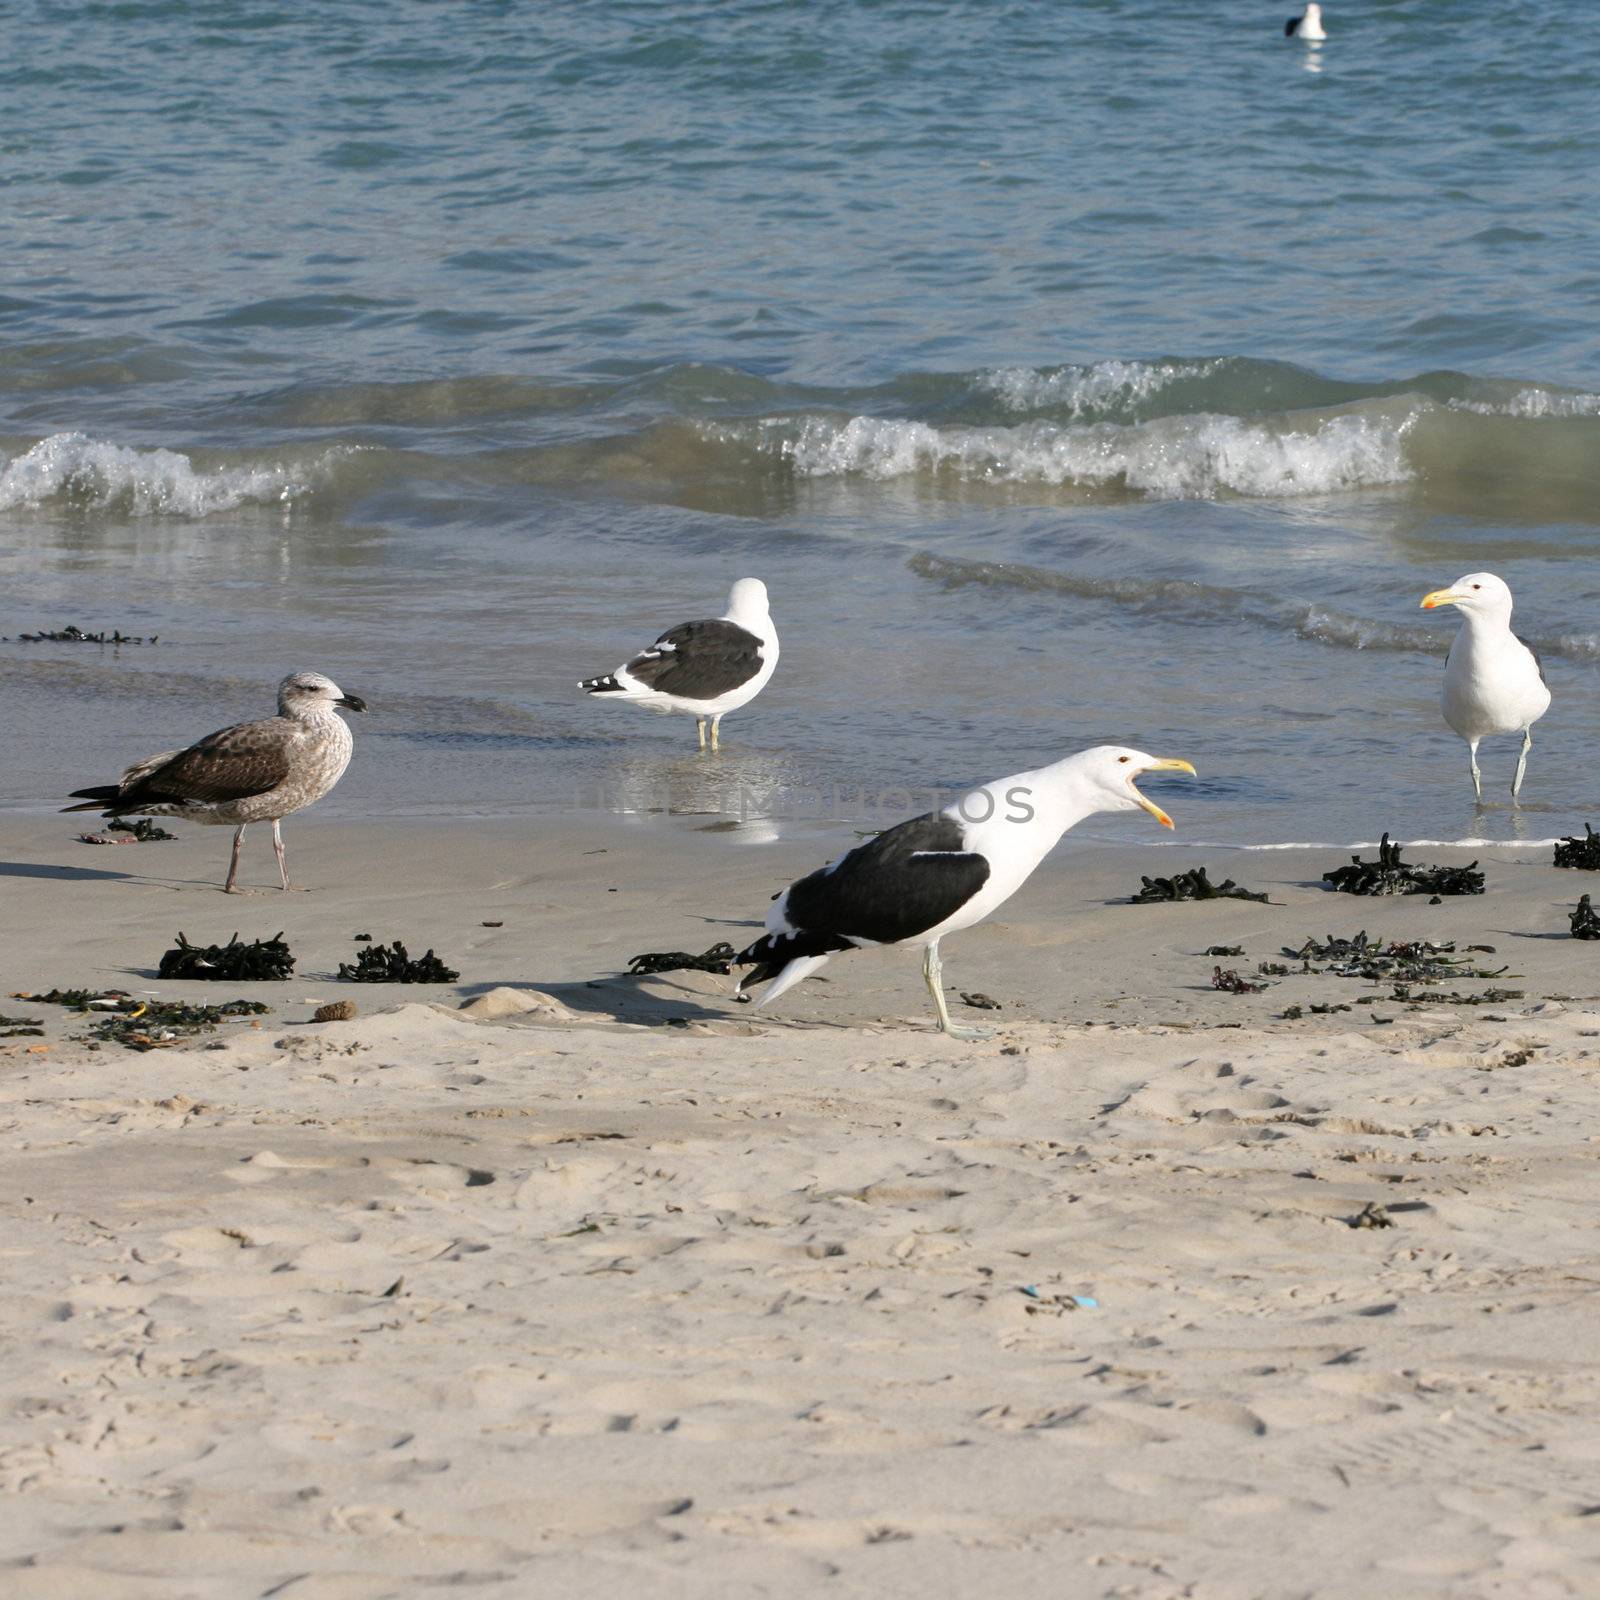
x=933 y=976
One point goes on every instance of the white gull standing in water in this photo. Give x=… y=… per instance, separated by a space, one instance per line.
x=704 y=668
x=1309 y=27
x=1493 y=681
x=938 y=873
x=251 y=772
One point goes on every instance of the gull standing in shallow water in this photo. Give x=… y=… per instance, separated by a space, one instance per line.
x=1493 y=681
x=704 y=668
x=938 y=873
x=251 y=772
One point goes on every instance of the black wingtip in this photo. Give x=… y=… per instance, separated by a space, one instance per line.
x=1290 y=26
x=96 y=799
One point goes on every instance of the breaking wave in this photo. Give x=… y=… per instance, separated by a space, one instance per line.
x=1091 y=392
x=92 y=474
x=1174 y=458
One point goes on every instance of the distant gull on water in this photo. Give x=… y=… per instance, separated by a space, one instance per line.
x=704 y=668
x=1308 y=27
x=941 y=872
x=1493 y=681
x=251 y=772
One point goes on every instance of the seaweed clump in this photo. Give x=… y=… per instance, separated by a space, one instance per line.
x=262 y=960
x=1193 y=885
x=1585 y=924
x=1230 y=982
x=719 y=958
x=21 y=1027
x=75 y=635
x=160 y=1024
x=1390 y=875
x=76 y=999
x=1582 y=853
x=144 y=1024
x=144 y=829
x=141 y=829
x=1403 y=964
x=381 y=963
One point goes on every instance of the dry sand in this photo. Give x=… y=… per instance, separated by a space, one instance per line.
x=644 y=1292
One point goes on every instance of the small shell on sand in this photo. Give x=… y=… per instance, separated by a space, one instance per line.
x=335 y=1011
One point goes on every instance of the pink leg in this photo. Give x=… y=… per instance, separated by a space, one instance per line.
x=233 y=864
x=277 y=850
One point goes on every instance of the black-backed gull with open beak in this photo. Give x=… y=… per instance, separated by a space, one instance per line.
x=252 y=772
x=1493 y=681
x=1309 y=27
x=704 y=668
x=918 y=881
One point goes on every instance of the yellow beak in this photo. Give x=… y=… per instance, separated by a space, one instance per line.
x=1169 y=764
x=1439 y=597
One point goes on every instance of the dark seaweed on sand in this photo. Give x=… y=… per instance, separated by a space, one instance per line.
x=262 y=960
x=73 y=999
x=158 y=1024
x=1193 y=885
x=1585 y=924
x=380 y=963
x=719 y=958
x=1231 y=983
x=142 y=828
x=1390 y=875
x=1583 y=853
x=1407 y=961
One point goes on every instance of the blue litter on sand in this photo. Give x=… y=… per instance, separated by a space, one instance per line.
x=1084 y=1302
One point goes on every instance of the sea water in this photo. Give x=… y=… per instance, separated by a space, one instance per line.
x=1092 y=370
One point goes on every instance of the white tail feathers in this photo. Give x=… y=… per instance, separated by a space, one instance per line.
x=800 y=967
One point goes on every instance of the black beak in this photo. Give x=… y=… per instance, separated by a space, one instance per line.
x=352 y=702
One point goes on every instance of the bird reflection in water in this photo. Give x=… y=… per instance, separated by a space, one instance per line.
x=746 y=794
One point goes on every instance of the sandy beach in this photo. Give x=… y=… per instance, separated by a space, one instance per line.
x=639 y=1287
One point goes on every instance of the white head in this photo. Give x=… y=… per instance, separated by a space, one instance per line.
x=1313 y=12
x=1479 y=594
x=1105 y=778
x=305 y=693
x=748 y=598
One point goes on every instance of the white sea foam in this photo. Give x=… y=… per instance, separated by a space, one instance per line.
x=1187 y=458
x=1534 y=403
x=1089 y=390
x=94 y=474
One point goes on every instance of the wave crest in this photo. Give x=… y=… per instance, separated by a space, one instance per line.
x=93 y=474
x=1171 y=458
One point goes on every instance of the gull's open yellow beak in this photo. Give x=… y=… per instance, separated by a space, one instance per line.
x=1168 y=764
x=1439 y=597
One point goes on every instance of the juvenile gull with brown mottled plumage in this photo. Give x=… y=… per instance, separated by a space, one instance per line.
x=251 y=772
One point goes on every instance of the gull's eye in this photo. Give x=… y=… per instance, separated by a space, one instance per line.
x=1123 y=760
x=1477 y=586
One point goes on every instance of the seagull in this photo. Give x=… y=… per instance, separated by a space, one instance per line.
x=704 y=668
x=920 y=880
x=1308 y=27
x=1493 y=681
x=251 y=772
